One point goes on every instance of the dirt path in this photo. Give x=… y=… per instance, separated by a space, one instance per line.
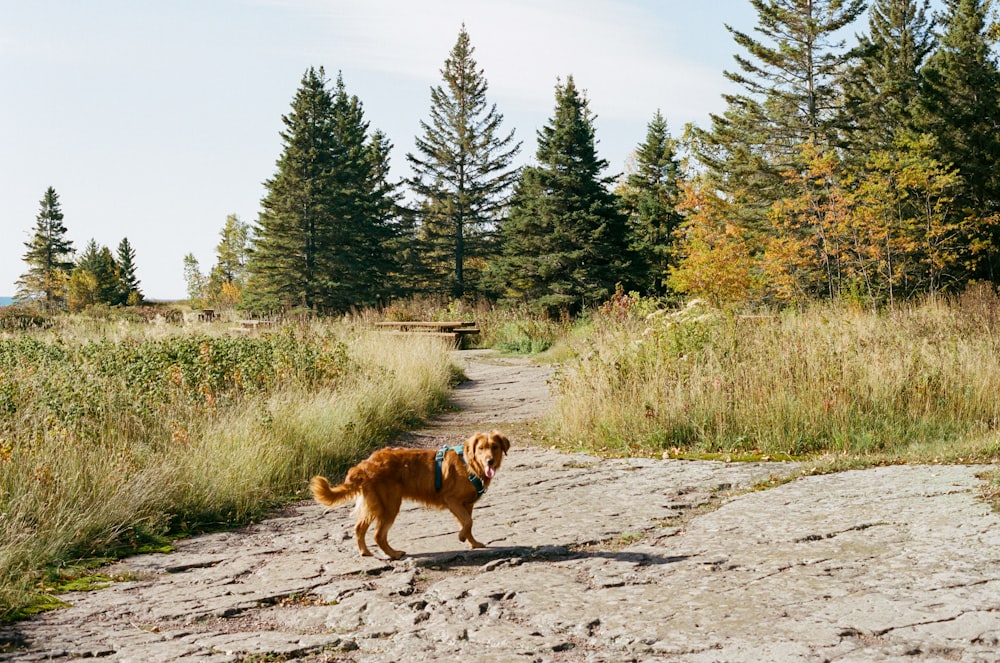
x=588 y=560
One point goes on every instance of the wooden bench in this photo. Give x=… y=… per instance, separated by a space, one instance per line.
x=455 y=331
x=254 y=324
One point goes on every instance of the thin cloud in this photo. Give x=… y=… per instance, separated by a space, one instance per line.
x=616 y=50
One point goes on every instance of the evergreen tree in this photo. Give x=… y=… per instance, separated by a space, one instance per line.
x=194 y=280
x=292 y=235
x=383 y=267
x=232 y=251
x=49 y=256
x=882 y=89
x=321 y=241
x=129 y=292
x=564 y=242
x=362 y=209
x=462 y=174
x=228 y=277
x=961 y=109
x=98 y=261
x=789 y=97
x=650 y=196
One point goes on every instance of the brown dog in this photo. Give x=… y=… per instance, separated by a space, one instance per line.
x=388 y=476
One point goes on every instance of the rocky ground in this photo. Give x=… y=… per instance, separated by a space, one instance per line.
x=587 y=560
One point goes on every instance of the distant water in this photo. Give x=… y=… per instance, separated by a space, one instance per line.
x=6 y=301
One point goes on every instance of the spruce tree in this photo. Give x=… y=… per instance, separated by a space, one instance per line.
x=883 y=87
x=462 y=173
x=790 y=96
x=49 y=257
x=357 y=260
x=287 y=259
x=98 y=261
x=564 y=242
x=128 y=282
x=961 y=109
x=195 y=282
x=321 y=241
x=650 y=195
x=228 y=277
x=231 y=252
x=382 y=267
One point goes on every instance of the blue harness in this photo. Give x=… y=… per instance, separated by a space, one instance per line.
x=477 y=483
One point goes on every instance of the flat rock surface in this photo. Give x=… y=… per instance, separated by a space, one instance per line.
x=587 y=560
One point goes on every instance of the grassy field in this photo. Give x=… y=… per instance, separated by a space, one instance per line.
x=114 y=435
x=841 y=385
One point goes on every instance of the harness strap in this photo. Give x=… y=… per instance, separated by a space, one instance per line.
x=477 y=483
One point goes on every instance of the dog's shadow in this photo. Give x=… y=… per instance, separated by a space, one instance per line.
x=490 y=558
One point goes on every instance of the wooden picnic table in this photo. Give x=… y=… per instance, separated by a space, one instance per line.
x=454 y=330
x=254 y=324
x=463 y=326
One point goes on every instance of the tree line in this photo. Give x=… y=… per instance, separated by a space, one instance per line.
x=335 y=232
x=866 y=172
x=58 y=279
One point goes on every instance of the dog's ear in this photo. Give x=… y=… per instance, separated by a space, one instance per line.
x=504 y=442
x=471 y=444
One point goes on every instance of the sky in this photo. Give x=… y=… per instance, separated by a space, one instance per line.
x=155 y=120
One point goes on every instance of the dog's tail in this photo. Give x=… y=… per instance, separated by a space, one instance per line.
x=329 y=495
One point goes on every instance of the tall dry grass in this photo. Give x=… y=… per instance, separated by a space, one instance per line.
x=918 y=383
x=111 y=438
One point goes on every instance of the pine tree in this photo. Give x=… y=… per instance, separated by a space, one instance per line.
x=362 y=209
x=194 y=280
x=961 y=109
x=129 y=292
x=98 y=261
x=790 y=97
x=228 y=277
x=231 y=251
x=49 y=257
x=287 y=260
x=564 y=242
x=381 y=270
x=883 y=87
x=650 y=195
x=322 y=237
x=462 y=174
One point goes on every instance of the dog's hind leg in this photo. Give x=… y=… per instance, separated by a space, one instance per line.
x=364 y=518
x=463 y=514
x=387 y=516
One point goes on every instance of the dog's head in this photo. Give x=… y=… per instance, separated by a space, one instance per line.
x=486 y=452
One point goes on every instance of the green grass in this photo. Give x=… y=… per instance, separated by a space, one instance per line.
x=113 y=437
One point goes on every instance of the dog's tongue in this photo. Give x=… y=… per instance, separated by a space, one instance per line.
x=490 y=472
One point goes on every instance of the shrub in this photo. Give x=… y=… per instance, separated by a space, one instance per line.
x=19 y=317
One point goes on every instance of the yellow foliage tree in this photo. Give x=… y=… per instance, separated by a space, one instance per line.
x=82 y=290
x=715 y=256
x=878 y=233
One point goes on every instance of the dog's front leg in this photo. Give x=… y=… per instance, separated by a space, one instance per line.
x=463 y=514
